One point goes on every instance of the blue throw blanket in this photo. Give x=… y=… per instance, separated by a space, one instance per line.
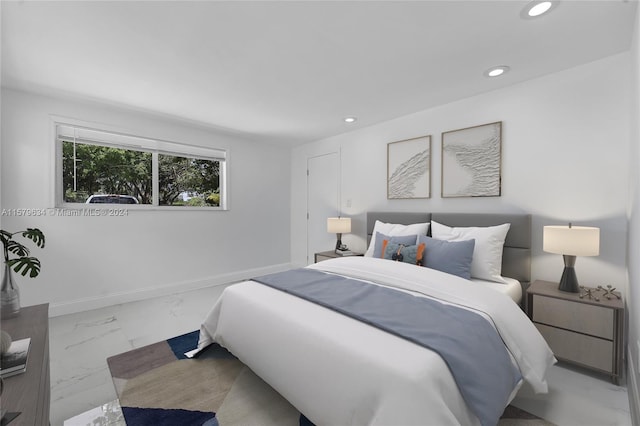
x=467 y=342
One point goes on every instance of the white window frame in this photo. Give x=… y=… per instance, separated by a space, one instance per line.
x=66 y=129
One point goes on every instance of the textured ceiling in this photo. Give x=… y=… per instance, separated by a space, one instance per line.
x=288 y=72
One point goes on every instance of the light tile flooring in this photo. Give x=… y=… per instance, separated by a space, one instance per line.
x=80 y=380
x=81 y=343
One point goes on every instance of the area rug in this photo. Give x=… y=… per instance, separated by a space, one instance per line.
x=158 y=385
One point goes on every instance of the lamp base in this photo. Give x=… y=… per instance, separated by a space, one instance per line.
x=569 y=281
x=338 y=242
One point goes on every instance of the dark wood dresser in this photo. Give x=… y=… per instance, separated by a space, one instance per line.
x=29 y=392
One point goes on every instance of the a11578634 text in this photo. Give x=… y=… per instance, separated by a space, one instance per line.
x=49 y=212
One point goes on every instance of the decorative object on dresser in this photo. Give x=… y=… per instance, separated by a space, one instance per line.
x=22 y=263
x=339 y=226
x=409 y=168
x=582 y=330
x=5 y=342
x=29 y=393
x=471 y=161
x=571 y=241
x=14 y=361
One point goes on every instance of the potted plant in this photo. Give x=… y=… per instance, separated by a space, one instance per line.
x=16 y=256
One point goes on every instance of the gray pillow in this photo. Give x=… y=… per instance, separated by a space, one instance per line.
x=407 y=240
x=452 y=257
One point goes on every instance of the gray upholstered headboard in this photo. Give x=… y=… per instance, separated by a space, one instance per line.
x=516 y=257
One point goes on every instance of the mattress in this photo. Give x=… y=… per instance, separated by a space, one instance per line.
x=511 y=288
x=338 y=370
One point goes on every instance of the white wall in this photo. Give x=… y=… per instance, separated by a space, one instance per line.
x=1 y=121
x=633 y=291
x=565 y=147
x=96 y=261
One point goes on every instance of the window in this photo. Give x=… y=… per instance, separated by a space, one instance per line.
x=97 y=167
x=105 y=174
x=185 y=181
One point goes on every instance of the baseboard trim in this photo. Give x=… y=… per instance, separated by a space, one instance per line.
x=89 y=303
x=632 y=390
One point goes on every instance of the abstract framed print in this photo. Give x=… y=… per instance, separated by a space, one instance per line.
x=409 y=168
x=471 y=161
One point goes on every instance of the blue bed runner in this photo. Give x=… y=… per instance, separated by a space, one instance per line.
x=467 y=342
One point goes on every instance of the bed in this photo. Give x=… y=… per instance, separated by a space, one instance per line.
x=339 y=370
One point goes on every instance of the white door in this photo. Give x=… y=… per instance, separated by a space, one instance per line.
x=323 y=173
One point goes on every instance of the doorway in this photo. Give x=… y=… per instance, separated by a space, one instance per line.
x=323 y=201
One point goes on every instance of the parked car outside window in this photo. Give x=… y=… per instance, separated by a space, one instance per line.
x=111 y=199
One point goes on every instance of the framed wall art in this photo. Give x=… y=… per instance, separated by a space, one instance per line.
x=471 y=161
x=409 y=168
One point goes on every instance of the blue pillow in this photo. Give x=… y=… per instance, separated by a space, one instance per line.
x=452 y=257
x=409 y=254
x=407 y=240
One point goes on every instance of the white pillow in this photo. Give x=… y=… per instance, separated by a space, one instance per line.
x=393 y=230
x=487 y=253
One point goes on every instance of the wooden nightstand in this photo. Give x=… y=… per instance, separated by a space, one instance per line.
x=580 y=331
x=324 y=255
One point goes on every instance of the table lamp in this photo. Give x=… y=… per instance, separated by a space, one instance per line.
x=338 y=226
x=571 y=241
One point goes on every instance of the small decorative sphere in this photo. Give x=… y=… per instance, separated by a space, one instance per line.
x=5 y=341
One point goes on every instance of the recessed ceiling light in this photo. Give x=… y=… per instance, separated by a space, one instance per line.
x=537 y=8
x=496 y=71
x=350 y=119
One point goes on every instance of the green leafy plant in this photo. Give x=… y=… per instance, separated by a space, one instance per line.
x=22 y=262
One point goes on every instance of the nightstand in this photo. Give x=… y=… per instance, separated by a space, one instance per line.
x=581 y=331
x=324 y=255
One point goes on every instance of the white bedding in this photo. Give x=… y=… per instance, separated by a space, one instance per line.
x=510 y=287
x=339 y=371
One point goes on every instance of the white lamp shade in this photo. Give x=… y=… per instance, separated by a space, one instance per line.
x=339 y=225
x=572 y=240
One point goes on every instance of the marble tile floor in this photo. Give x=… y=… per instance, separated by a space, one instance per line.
x=82 y=392
x=578 y=398
x=81 y=343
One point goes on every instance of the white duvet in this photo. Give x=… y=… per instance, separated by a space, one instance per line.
x=339 y=371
